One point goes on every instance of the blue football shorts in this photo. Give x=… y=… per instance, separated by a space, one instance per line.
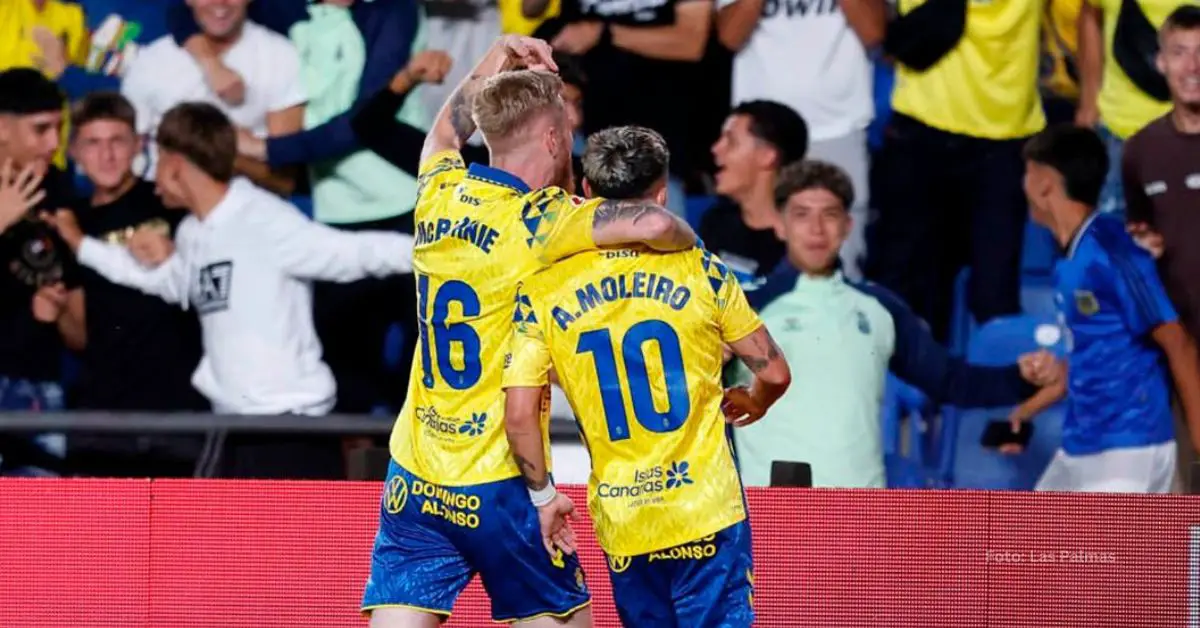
x=707 y=583
x=433 y=539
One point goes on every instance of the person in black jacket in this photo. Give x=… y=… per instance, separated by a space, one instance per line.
x=34 y=269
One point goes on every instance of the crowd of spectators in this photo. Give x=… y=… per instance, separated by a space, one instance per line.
x=815 y=144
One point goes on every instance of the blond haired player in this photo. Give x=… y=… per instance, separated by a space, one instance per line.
x=454 y=503
x=635 y=337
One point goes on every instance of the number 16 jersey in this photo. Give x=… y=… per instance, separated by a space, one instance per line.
x=479 y=233
x=635 y=338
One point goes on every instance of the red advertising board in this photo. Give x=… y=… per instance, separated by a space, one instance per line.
x=195 y=553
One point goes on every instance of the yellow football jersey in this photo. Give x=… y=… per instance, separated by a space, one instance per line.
x=479 y=233
x=635 y=338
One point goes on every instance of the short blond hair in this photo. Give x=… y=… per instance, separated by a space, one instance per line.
x=510 y=100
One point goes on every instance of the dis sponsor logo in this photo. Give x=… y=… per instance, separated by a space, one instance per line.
x=395 y=495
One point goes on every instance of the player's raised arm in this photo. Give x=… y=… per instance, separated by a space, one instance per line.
x=453 y=125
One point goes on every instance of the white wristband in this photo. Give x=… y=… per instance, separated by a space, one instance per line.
x=543 y=496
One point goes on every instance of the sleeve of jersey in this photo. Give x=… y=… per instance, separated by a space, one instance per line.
x=560 y=223
x=1142 y=297
x=735 y=315
x=439 y=168
x=528 y=362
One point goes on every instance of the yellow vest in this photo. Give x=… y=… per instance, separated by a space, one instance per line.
x=1061 y=44
x=1124 y=108
x=18 y=48
x=513 y=21
x=987 y=86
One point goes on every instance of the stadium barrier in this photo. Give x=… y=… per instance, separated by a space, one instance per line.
x=209 y=553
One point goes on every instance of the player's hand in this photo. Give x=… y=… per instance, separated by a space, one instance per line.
x=527 y=52
x=19 y=192
x=740 y=408
x=1041 y=368
x=49 y=303
x=578 y=38
x=556 y=529
x=1147 y=238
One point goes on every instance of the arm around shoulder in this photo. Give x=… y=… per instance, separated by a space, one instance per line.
x=640 y=222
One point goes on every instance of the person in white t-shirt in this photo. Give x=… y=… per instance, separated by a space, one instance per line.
x=165 y=74
x=245 y=261
x=811 y=55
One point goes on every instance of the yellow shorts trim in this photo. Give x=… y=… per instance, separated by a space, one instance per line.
x=366 y=610
x=562 y=615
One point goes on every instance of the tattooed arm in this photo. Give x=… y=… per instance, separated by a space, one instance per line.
x=453 y=125
x=523 y=425
x=762 y=356
x=634 y=221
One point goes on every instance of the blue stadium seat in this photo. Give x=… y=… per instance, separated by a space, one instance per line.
x=905 y=469
x=1040 y=252
x=964 y=460
x=1003 y=340
x=697 y=206
x=1037 y=299
x=1037 y=296
x=962 y=324
x=980 y=468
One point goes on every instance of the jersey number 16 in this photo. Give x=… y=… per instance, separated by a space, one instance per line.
x=445 y=335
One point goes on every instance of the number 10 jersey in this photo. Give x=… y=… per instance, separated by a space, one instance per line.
x=635 y=338
x=480 y=231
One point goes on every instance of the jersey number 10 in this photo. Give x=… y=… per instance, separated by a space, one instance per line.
x=444 y=336
x=599 y=343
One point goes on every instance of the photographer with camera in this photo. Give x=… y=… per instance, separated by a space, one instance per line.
x=35 y=270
